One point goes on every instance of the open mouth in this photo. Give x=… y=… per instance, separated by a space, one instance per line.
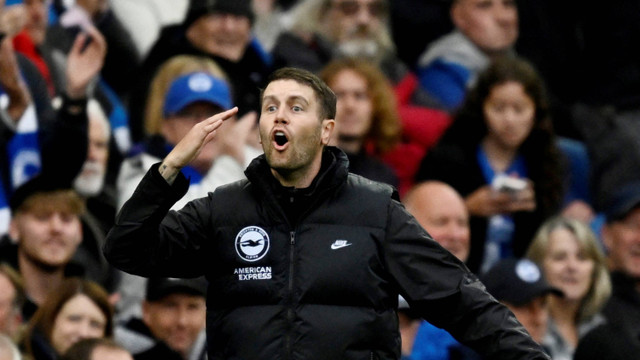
x=280 y=138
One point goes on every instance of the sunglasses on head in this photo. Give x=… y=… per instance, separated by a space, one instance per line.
x=352 y=7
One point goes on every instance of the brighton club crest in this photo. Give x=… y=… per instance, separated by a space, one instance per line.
x=252 y=243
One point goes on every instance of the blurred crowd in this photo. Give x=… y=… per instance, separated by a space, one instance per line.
x=510 y=128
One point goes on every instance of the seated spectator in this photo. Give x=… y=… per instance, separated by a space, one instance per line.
x=172 y=324
x=569 y=255
x=100 y=199
x=484 y=29
x=8 y=350
x=620 y=337
x=441 y=211
x=191 y=97
x=11 y=301
x=522 y=287
x=96 y=349
x=186 y=90
x=46 y=229
x=327 y=29
x=501 y=134
x=77 y=309
x=220 y=30
x=367 y=123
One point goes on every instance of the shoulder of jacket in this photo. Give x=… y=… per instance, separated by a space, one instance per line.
x=372 y=187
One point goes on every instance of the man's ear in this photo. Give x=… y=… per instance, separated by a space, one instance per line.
x=457 y=16
x=327 y=129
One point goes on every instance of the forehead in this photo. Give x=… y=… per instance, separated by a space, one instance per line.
x=348 y=78
x=284 y=89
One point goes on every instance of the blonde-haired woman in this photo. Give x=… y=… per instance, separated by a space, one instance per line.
x=570 y=256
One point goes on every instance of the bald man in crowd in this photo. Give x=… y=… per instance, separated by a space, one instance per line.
x=442 y=212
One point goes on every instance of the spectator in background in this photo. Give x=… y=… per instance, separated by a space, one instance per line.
x=96 y=349
x=47 y=231
x=502 y=132
x=620 y=337
x=441 y=211
x=185 y=91
x=172 y=323
x=190 y=97
x=221 y=31
x=77 y=309
x=521 y=286
x=11 y=301
x=569 y=254
x=327 y=29
x=367 y=123
x=100 y=200
x=484 y=29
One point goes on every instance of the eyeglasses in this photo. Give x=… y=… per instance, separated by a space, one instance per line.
x=352 y=7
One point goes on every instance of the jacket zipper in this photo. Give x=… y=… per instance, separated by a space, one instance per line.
x=290 y=313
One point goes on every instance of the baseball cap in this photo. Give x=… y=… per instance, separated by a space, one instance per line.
x=193 y=87
x=158 y=287
x=517 y=281
x=622 y=201
x=198 y=8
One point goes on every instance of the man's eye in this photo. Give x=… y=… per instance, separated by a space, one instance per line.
x=271 y=108
x=296 y=108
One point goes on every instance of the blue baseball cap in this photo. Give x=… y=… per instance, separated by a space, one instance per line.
x=195 y=87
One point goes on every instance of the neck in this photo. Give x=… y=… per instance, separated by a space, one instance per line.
x=38 y=283
x=350 y=145
x=564 y=313
x=499 y=157
x=299 y=178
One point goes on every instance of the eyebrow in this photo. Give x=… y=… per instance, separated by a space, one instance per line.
x=290 y=99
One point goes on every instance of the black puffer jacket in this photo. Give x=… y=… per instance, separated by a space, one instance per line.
x=323 y=287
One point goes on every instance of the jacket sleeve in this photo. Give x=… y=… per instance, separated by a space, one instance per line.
x=149 y=240
x=443 y=291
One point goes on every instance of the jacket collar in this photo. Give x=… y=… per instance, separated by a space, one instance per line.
x=333 y=172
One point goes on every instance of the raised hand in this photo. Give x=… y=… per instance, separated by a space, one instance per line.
x=188 y=148
x=85 y=61
x=12 y=82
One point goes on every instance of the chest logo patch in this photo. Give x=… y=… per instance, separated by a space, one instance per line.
x=252 y=243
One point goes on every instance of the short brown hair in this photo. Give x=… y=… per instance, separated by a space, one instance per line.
x=64 y=200
x=324 y=94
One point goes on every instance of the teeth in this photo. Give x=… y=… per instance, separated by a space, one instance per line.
x=280 y=138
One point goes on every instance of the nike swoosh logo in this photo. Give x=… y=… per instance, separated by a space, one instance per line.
x=336 y=246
